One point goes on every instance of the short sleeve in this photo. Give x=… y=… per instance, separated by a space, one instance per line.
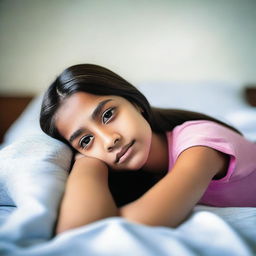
x=205 y=133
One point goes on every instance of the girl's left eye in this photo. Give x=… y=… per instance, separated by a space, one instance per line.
x=107 y=115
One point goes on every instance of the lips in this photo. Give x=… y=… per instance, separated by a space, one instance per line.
x=123 y=151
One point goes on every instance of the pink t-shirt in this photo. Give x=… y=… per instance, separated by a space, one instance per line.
x=238 y=187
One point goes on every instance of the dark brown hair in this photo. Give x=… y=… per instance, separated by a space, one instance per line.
x=98 y=80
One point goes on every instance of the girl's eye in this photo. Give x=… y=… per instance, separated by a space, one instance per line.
x=85 y=141
x=107 y=115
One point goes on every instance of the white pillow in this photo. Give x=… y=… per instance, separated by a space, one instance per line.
x=33 y=172
x=224 y=101
x=213 y=98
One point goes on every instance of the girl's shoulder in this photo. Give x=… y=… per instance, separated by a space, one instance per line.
x=199 y=130
x=209 y=134
x=203 y=126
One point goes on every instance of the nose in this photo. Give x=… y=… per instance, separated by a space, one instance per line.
x=111 y=141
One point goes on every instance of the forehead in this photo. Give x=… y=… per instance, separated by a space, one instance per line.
x=78 y=100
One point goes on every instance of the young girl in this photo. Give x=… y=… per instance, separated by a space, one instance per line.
x=149 y=165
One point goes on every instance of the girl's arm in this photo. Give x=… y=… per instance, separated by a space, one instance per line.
x=87 y=197
x=171 y=200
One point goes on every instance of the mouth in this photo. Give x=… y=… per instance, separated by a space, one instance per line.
x=123 y=151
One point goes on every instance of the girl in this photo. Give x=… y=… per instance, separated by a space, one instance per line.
x=149 y=165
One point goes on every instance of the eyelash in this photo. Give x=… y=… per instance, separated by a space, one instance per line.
x=110 y=110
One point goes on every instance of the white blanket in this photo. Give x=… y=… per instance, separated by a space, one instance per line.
x=203 y=234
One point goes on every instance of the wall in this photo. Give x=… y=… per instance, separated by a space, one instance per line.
x=187 y=40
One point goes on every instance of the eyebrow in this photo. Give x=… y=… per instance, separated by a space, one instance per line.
x=96 y=112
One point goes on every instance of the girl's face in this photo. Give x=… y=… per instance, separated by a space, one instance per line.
x=109 y=128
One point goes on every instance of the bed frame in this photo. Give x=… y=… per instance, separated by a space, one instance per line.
x=10 y=108
x=250 y=95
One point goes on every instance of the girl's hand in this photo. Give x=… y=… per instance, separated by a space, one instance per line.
x=87 y=197
x=88 y=165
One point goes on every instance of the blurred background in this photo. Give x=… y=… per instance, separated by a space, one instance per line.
x=143 y=41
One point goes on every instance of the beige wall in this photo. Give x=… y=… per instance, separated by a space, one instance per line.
x=143 y=41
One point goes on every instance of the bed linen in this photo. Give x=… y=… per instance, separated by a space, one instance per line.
x=34 y=169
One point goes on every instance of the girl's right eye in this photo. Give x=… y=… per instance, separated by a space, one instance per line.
x=85 y=141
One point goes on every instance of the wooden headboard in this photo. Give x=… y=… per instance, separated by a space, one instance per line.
x=10 y=109
x=250 y=94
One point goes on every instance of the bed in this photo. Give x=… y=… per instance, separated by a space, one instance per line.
x=34 y=169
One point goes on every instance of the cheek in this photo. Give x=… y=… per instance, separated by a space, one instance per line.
x=96 y=151
x=136 y=125
x=146 y=134
x=141 y=130
x=142 y=126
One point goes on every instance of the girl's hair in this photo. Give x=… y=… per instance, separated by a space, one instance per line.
x=101 y=81
x=98 y=80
